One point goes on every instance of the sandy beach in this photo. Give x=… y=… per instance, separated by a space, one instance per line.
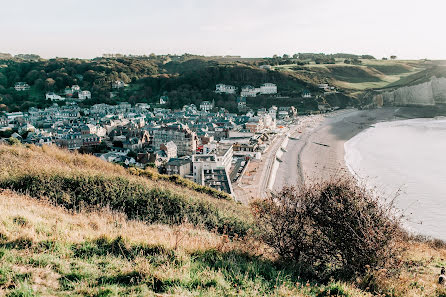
x=318 y=153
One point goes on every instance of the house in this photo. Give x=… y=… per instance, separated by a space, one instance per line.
x=84 y=95
x=241 y=103
x=164 y=100
x=10 y=116
x=265 y=67
x=306 y=94
x=170 y=149
x=268 y=88
x=249 y=91
x=117 y=84
x=21 y=86
x=75 y=88
x=226 y=89
x=53 y=97
x=185 y=139
x=181 y=167
x=207 y=106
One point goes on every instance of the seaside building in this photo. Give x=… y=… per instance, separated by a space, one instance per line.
x=212 y=169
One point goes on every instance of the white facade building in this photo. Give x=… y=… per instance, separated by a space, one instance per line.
x=227 y=89
x=54 y=97
x=84 y=95
x=206 y=106
x=21 y=86
x=249 y=91
x=268 y=88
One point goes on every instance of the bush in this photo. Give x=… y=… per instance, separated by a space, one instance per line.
x=133 y=198
x=332 y=229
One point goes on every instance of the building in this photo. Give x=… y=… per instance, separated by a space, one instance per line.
x=181 y=167
x=241 y=103
x=84 y=95
x=268 y=88
x=21 y=86
x=212 y=169
x=181 y=135
x=306 y=94
x=10 y=116
x=207 y=106
x=53 y=97
x=164 y=100
x=227 y=89
x=170 y=149
x=117 y=84
x=265 y=67
x=249 y=91
x=75 y=88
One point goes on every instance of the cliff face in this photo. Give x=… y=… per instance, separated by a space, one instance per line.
x=429 y=93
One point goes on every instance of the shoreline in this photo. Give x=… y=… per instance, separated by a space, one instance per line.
x=319 y=154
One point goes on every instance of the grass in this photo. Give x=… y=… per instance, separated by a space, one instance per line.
x=61 y=250
x=80 y=182
x=104 y=254
x=371 y=74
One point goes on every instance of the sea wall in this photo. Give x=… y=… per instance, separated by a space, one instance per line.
x=427 y=94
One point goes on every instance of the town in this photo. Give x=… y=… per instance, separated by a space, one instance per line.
x=205 y=144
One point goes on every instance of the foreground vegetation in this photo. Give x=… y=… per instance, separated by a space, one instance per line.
x=72 y=225
x=79 y=182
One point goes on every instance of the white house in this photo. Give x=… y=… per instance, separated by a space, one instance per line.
x=53 y=97
x=249 y=91
x=163 y=100
x=227 y=89
x=117 y=84
x=266 y=67
x=268 y=88
x=206 y=106
x=21 y=86
x=84 y=95
x=75 y=88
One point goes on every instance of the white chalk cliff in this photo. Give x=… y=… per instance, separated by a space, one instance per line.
x=428 y=93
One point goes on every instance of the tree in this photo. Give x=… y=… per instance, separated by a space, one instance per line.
x=3 y=80
x=393 y=57
x=50 y=84
x=285 y=56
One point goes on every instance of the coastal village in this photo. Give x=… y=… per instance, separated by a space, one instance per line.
x=205 y=144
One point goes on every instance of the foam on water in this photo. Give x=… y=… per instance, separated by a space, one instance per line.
x=406 y=157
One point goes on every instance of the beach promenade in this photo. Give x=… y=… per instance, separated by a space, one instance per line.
x=317 y=152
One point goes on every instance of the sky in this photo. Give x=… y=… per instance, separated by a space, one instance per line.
x=409 y=29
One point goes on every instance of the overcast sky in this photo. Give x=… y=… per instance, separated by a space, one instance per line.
x=250 y=28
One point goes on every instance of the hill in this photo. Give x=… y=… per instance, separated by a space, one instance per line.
x=184 y=79
x=77 y=226
x=366 y=74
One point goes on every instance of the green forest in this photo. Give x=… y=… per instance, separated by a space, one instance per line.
x=184 y=79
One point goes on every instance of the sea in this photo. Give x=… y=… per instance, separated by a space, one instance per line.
x=405 y=162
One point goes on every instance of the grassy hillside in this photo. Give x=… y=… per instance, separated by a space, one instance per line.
x=79 y=182
x=78 y=226
x=370 y=74
x=45 y=250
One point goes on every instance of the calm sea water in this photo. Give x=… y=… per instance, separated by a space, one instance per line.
x=408 y=157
